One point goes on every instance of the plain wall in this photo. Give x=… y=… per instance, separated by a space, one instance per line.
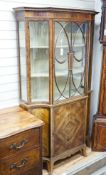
x=96 y=64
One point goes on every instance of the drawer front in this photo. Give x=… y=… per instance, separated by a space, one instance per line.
x=19 y=142
x=20 y=163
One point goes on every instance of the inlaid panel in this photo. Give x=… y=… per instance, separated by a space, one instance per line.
x=69 y=126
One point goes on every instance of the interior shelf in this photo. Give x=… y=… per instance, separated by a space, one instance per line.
x=58 y=73
x=66 y=46
x=34 y=75
x=40 y=99
x=35 y=47
x=39 y=47
x=74 y=71
x=47 y=47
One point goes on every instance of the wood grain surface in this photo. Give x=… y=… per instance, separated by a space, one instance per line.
x=15 y=122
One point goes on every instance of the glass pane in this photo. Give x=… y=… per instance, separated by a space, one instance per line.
x=61 y=62
x=23 y=74
x=70 y=54
x=39 y=56
x=79 y=57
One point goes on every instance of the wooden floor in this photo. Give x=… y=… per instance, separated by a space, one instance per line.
x=76 y=163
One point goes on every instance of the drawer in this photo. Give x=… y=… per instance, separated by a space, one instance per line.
x=19 y=142
x=20 y=163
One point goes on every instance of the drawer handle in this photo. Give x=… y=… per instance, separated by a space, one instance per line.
x=20 y=165
x=21 y=145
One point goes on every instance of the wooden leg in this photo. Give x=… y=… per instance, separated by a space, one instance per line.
x=83 y=151
x=50 y=165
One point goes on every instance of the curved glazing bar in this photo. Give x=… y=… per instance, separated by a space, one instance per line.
x=70 y=49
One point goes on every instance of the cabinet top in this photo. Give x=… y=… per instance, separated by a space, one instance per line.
x=15 y=121
x=49 y=13
x=52 y=9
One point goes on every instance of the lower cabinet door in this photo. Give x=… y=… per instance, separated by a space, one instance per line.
x=20 y=163
x=69 y=126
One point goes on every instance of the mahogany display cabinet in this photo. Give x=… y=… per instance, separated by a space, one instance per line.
x=55 y=60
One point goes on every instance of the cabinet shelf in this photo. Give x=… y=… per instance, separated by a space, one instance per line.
x=40 y=99
x=35 y=75
x=47 y=47
x=39 y=47
x=58 y=73
x=35 y=47
x=66 y=46
x=74 y=71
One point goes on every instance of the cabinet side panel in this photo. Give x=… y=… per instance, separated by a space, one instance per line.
x=43 y=114
x=69 y=126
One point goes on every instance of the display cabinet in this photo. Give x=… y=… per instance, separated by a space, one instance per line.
x=55 y=51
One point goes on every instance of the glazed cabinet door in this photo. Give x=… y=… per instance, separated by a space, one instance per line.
x=70 y=59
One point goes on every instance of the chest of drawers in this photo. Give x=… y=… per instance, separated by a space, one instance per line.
x=20 y=143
